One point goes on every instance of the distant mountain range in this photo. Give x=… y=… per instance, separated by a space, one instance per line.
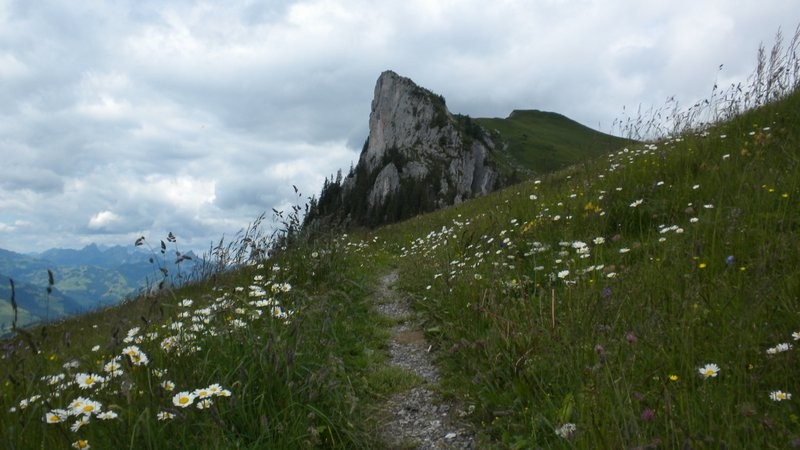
x=83 y=280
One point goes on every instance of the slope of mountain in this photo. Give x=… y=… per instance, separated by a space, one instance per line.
x=540 y=141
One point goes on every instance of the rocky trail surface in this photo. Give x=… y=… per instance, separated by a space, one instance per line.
x=417 y=418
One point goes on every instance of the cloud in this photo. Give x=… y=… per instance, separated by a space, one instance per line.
x=103 y=220
x=119 y=119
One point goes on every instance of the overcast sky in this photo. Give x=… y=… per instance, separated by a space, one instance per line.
x=127 y=118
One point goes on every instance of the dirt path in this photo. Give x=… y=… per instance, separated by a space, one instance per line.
x=418 y=418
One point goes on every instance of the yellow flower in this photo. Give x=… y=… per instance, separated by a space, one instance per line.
x=702 y=265
x=673 y=377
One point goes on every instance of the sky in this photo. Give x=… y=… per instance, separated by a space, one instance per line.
x=121 y=119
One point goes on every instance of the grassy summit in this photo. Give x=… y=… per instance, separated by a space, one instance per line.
x=542 y=141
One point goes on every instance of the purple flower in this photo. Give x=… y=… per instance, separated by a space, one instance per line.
x=730 y=260
x=648 y=414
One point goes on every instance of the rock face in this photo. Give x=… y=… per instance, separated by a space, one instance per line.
x=418 y=157
x=416 y=125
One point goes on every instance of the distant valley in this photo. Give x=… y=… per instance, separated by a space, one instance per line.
x=83 y=280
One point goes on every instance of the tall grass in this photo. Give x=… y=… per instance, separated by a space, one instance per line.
x=775 y=76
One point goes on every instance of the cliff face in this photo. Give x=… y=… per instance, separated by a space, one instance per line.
x=416 y=124
x=418 y=157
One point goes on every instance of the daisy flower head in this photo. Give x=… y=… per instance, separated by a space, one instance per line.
x=710 y=370
x=202 y=393
x=137 y=357
x=779 y=396
x=204 y=403
x=107 y=415
x=82 y=420
x=87 y=380
x=81 y=444
x=56 y=416
x=88 y=407
x=183 y=399
x=165 y=415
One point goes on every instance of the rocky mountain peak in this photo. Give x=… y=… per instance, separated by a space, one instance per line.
x=418 y=157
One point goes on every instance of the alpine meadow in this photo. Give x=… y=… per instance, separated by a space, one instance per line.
x=645 y=297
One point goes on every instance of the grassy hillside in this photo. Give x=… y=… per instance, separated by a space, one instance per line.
x=647 y=298
x=541 y=142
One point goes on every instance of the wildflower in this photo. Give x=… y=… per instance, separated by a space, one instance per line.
x=187 y=303
x=563 y=274
x=168 y=385
x=87 y=407
x=702 y=265
x=24 y=403
x=56 y=416
x=82 y=420
x=648 y=414
x=223 y=393
x=673 y=377
x=113 y=367
x=796 y=335
x=96 y=348
x=778 y=396
x=709 y=370
x=107 y=415
x=202 y=393
x=81 y=444
x=137 y=357
x=780 y=348
x=165 y=415
x=624 y=250
x=636 y=203
x=183 y=399
x=87 y=380
x=566 y=431
x=204 y=403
